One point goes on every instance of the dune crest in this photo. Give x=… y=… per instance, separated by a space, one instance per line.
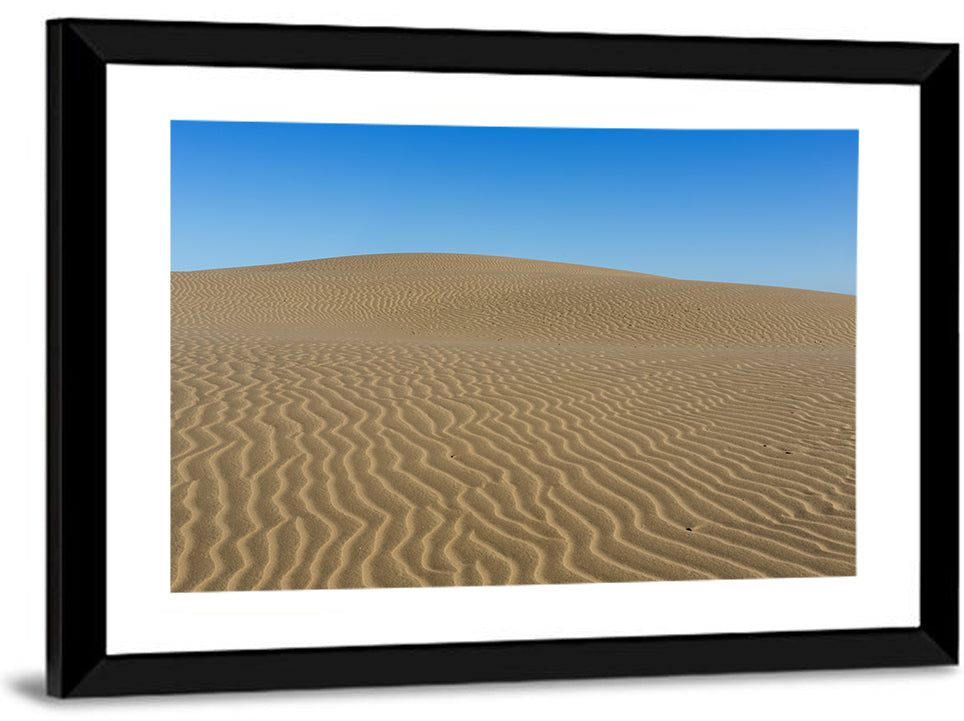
x=428 y=419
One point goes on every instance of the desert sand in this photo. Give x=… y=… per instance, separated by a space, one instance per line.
x=437 y=419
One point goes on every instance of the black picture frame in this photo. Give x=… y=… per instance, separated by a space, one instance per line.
x=79 y=51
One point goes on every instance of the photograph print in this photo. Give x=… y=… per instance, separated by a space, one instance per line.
x=420 y=356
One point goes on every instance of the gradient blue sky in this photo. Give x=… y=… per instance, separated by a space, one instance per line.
x=768 y=207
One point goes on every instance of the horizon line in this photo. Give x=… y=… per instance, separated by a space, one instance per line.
x=505 y=257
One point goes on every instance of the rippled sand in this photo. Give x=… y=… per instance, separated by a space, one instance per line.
x=436 y=419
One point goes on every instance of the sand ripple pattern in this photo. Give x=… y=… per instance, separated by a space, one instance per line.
x=438 y=420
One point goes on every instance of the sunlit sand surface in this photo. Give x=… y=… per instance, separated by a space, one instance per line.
x=450 y=420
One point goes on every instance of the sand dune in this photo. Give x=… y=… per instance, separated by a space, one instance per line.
x=437 y=419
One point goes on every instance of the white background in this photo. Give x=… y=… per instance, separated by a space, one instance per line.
x=875 y=694
x=144 y=616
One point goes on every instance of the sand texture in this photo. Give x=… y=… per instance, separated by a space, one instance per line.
x=437 y=419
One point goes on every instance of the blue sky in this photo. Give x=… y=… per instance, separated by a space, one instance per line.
x=768 y=207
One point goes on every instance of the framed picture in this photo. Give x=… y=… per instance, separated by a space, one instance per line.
x=393 y=356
